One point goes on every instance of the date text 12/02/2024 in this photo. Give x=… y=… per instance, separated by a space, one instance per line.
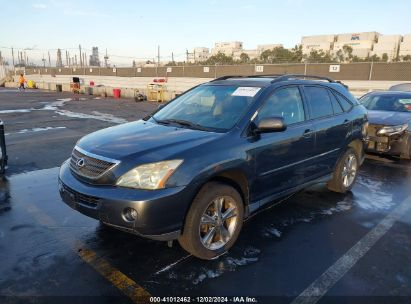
x=203 y=300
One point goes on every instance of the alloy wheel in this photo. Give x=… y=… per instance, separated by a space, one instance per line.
x=218 y=223
x=349 y=170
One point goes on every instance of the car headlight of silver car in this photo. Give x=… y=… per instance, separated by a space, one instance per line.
x=150 y=176
x=390 y=130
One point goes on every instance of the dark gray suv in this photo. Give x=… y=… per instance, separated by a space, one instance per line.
x=207 y=160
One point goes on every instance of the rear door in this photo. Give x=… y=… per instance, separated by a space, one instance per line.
x=331 y=125
x=282 y=159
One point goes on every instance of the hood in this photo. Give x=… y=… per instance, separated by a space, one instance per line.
x=388 y=118
x=140 y=138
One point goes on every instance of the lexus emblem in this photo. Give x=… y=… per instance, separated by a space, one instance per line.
x=81 y=162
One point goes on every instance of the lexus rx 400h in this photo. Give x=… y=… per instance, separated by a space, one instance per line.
x=200 y=165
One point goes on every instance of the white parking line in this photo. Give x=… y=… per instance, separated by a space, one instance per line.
x=333 y=274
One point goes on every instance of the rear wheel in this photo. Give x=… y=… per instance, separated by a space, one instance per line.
x=345 y=173
x=213 y=222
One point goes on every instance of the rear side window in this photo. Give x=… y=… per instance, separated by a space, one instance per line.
x=319 y=101
x=346 y=105
x=336 y=105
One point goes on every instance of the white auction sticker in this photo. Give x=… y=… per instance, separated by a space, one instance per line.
x=246 y=91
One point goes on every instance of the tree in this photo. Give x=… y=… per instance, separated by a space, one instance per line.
x=220 y=59
x=384 y=57
x=277 y=55
x=297 y=53
x=347 y=52
x=244 y=58
x=374 y=58
x=406 y=58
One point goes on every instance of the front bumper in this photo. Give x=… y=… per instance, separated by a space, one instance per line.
x=160 y=213
x=394 y=145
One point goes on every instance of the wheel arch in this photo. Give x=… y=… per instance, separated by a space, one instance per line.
x=358 y=147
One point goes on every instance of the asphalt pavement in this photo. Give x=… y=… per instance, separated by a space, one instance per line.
x=316 y=246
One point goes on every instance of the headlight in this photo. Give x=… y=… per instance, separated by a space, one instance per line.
x=389 y=130
x=149 y=176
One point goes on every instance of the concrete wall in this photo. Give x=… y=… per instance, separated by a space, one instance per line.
x=137 y=76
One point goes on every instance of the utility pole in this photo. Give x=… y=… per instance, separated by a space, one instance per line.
x=158 y=56
x=81 y=63
x=49 y=59
x=105 y=59
x=12 y=55
x=172 y=57
x=44 y=61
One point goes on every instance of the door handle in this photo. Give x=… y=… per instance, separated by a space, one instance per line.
x=307 y=133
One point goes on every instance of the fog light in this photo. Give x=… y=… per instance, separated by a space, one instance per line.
x=130 y=214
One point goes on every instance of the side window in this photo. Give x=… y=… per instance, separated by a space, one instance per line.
x=319 y=101
x=346 y=105
x=286 y=103
x=336 y=105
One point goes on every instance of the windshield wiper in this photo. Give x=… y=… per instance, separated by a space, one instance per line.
x=183 y=122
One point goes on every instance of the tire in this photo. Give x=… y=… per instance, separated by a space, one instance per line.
x=202 y=217
x=338 y=183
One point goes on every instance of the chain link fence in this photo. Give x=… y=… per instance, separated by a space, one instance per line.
x=398 y=71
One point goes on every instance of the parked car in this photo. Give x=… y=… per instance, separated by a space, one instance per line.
x=389 y=114
x=200 y=165
x=401 y=87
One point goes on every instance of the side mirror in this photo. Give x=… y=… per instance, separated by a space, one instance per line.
x=271 y=124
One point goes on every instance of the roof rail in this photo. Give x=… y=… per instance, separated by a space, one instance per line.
x=265 y=75
x=228 y=77
x=293 y=76
x=278 y=77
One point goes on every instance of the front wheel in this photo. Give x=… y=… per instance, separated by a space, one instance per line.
x=213 y=222
x=345 y=173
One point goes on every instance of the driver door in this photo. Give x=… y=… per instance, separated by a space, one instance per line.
x=283 y=159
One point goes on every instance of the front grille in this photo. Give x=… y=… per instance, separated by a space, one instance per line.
x=87 y=200
x=89 y=167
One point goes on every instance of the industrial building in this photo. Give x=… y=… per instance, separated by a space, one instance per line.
x=94 y=57
x=227 y=48
x=234 y=49
x=405 y=46
x=317 y=43
x=387 y=44
x=363 y=44
x=199 y=54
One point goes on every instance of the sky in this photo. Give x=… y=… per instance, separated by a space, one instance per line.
x=133 y=29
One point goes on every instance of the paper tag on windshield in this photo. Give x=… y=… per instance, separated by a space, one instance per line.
x=246 y=91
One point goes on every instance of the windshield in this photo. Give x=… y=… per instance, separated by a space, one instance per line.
x=395 y=103
x=209 y=107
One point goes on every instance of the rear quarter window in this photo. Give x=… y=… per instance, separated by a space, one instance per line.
x=319 y=101
x=345 y=104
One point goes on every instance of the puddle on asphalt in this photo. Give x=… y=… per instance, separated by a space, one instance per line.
x=33 y=130
x=55 y=105
x=94 y=115
x=305 y=207
x=215 y=268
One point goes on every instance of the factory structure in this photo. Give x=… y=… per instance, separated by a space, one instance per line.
x=366 y=44
x=363 y=45
x=233 y=49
